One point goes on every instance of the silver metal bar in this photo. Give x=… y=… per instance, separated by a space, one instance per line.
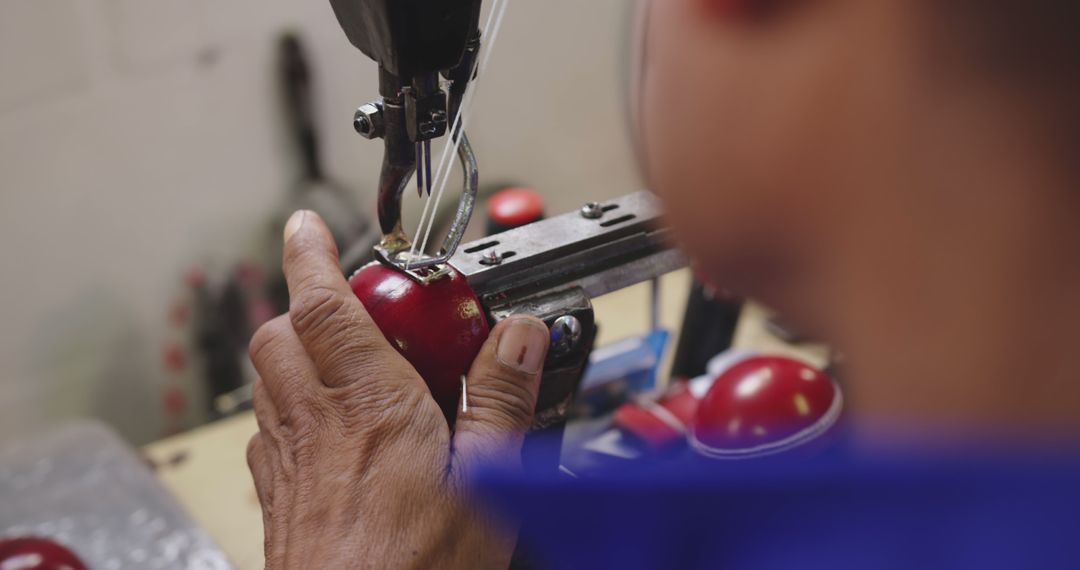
x=600 y=249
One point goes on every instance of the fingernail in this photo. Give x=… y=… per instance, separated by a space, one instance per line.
x=295 y=221
x=522 y=346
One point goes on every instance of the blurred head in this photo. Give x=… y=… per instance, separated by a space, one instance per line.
x=780 y=130
x=855 y=163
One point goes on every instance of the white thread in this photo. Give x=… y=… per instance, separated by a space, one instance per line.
x=491 y=29
x=464 y=395
x=442 y=175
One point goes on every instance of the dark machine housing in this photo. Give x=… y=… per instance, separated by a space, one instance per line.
x=410 y=37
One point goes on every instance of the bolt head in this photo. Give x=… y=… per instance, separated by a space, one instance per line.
x=565 y=334
x=592 y=211
x=492 y=258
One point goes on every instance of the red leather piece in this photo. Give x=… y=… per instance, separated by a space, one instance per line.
x=681 y=403
x=439 y=327
x=662 y=424
x=644 y=424
x=764 y=405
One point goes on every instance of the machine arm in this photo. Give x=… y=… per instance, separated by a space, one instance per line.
x=417 y=44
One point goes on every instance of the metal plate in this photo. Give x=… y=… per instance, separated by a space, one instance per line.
x=621 y=247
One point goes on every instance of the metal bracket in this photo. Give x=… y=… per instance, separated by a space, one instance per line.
x=398 y=252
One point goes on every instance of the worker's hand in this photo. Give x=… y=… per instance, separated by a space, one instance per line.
x=354 y=464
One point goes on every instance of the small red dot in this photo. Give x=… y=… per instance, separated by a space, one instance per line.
x=174 y=401
x=195 y=277
x=175 y=358
x=179 y=314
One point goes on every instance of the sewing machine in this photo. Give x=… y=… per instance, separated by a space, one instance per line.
x=429 y=52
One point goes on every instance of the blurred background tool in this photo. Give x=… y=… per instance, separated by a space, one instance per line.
x=314 y=189
x=708 y=328
x=227 y=309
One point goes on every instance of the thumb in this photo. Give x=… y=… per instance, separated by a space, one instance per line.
x=500 y=393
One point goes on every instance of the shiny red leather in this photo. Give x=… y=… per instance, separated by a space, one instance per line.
x=32 y=553
x=764 y=405
x=439 y=327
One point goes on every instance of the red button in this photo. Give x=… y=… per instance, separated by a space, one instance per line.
x=514 y=207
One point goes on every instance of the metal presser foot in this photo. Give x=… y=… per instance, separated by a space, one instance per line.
x=401 y=161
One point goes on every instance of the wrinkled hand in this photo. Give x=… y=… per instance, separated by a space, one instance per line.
x=354 y=464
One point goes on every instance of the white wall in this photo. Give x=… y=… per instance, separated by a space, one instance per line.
x=139 y=136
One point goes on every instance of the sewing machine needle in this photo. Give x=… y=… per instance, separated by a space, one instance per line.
x=427 y=165
x=419 y=170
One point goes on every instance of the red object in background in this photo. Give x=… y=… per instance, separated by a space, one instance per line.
x=174 y=358
x=248 y=274
x=439 y=327
x=195 y=277
x=179 y=314
x=37 y=554
x=764 y=405
x=174 y=401
x=260 y=310
x=662 y=424
x=513 y=207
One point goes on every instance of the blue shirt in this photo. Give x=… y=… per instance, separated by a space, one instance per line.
x=976 y=510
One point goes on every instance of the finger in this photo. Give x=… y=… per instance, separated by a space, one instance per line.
x=286 y=371
x=501 y=390
x=266 y=416
x=259 y=465
x=261 y=472
x=270 y=433
x=330 y=321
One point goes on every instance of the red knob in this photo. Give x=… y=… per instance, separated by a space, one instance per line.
x=37 y=554
x=513 y=207
x=765 y=405
x=439 y=326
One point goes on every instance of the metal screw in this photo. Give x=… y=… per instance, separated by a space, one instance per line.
x=492 y=258
x=565 y=334
x=592 y=211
